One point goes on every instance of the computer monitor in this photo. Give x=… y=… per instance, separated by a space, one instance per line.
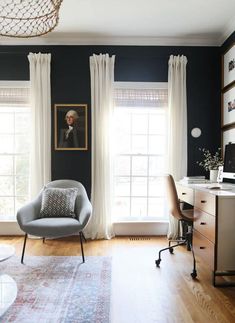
x=229 y=163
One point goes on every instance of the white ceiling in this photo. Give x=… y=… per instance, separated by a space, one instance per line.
x=140 y=22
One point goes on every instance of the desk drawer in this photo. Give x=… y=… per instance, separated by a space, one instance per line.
x=205 y=224
x=204 y=249
x=205 y=202
x=185 y=194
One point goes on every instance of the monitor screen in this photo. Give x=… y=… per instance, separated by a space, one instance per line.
x=229 y=162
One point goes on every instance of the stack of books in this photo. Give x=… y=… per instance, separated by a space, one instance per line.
x=193 y=180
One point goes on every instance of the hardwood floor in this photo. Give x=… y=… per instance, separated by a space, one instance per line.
x=142 y=293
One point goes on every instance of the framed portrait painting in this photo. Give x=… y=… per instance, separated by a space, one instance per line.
x=228 y=107
x=70 y=126
x=228 y=66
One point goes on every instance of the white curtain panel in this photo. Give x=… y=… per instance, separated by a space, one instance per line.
x=177 y=102
x=102 y=80
x=40 y=97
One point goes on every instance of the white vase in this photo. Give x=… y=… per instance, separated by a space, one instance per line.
x=213 y=175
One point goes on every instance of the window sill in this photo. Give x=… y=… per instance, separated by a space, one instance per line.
x=140 y=221
x=7 y=220
x=150 y=227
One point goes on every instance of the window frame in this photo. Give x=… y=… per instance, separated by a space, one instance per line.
x=131 y=218
x=13 y=174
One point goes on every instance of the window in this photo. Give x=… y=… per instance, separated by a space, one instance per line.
x=140 y=152
x=14 y=147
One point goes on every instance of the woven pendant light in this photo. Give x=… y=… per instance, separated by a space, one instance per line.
x=28 y=18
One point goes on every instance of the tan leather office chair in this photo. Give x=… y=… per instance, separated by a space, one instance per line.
x=184 y=217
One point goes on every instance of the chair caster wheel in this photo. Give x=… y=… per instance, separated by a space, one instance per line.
x=194 y=274
x=171 y=250
x=188 y=248
x=157 y=262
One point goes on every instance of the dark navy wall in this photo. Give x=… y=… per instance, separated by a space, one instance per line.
x=70 y=80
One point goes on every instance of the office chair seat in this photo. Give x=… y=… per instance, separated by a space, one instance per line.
x=187 y=215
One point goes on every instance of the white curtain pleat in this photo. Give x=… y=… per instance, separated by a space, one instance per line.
x=40 y=95
x=102 y=79
x=177 y=102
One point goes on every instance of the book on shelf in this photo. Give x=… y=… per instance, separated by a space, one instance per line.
x=194 y=180
x=194 y=177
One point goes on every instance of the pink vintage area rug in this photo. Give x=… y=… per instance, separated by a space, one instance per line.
x=59 y=290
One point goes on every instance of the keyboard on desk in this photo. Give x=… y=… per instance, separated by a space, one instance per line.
x=221 y=186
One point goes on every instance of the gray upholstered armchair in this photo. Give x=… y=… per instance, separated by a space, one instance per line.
x=31 y=222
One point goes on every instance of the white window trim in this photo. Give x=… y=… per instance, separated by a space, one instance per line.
x=11 y=84
x=145 y=220
x=11 y=224
x=141 y=85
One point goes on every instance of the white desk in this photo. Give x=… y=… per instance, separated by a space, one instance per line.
x=8 y=288
x=214 y=227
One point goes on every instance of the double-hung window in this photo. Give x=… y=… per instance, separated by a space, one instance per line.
x=14 y=147
x=140 y=143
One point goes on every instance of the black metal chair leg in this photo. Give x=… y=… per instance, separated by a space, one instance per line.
x=80 y=235
x=171 y=248
x=43 y=240
x=194 y=272
x=84 y=238
x=22 y=256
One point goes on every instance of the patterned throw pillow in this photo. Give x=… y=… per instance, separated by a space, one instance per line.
x=58 y=202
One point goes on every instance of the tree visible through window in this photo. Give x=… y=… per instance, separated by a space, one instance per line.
x=14 y=149
x=140 y=156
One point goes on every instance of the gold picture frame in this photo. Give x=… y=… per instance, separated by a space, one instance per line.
x=70 y=123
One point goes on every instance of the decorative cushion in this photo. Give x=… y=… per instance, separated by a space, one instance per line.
x=58 y=202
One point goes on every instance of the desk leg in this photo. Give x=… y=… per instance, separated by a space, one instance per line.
x=216 y=274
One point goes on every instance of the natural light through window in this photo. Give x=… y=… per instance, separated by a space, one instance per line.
x=14 y=150
x=140 y=154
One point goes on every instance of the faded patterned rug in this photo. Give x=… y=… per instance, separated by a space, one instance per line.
x=59 y=289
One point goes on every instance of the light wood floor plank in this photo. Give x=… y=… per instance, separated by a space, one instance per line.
x=142 y=293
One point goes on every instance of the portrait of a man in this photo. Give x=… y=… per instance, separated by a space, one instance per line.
x=71 y=127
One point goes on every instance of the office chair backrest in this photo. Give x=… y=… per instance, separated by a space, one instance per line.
x=172 y=197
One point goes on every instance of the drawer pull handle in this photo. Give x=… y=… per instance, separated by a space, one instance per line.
x=184 y=193
x=202 y=247
x=203 y=223
x=203 y=201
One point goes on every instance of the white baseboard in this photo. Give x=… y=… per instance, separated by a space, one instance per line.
x=10 y=229
x=120 y=228
x=141 y=228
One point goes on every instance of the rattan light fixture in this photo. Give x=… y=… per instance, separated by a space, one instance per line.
x=28 y=18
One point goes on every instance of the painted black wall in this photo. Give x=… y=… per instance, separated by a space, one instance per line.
x=70 y=81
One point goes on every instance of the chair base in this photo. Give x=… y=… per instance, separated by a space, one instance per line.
x=81 y=237
x=187 y=241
